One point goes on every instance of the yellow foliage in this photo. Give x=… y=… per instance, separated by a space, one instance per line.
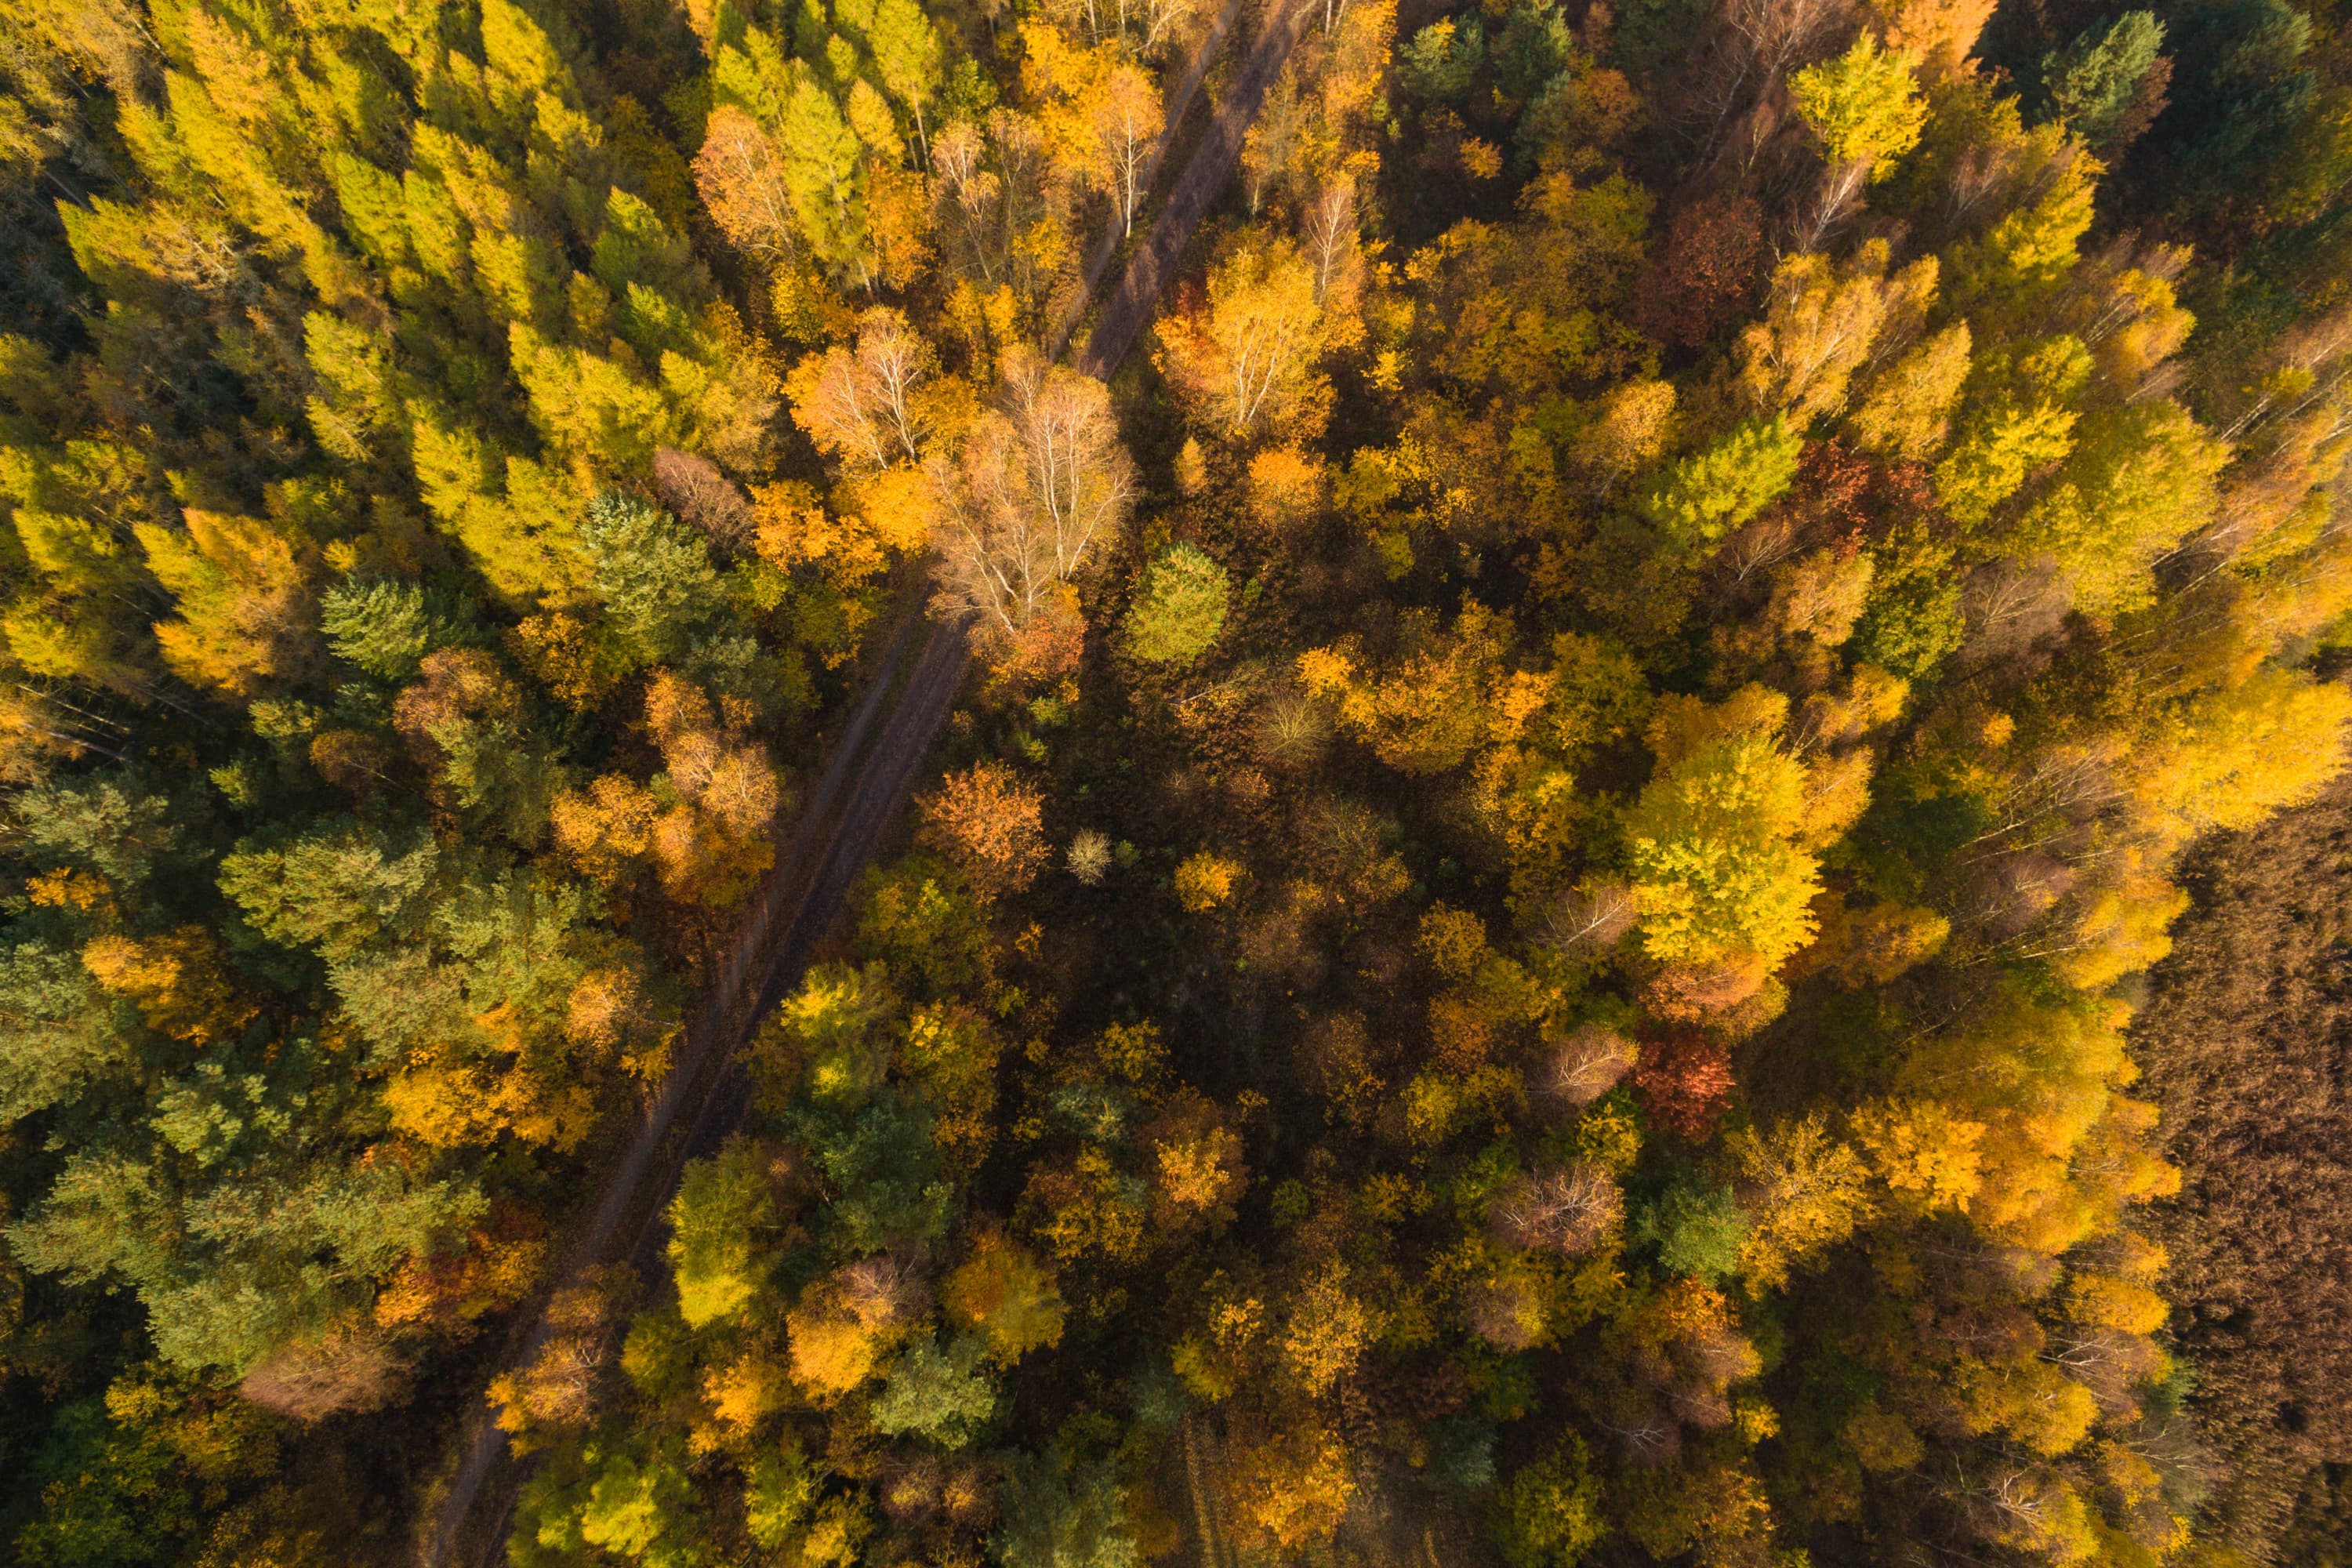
x=2031 y=1400
x=833 y=1352
x=1205 y=881
x=1939 y=33
x=2232 y=757
x=1292 y=1489
x=1927 y=1156
x=744 y=1392
x=1326 y=671
x=1436 y=705
x=1248 y=358
x=1873 y=946
x=1003 y=1291
x=1091 y=1207
x=709 y=841
x=1715 y=870
x=1805 y=1190
x=1286 y=486
x=1680 y=725
x=1453 y=941
x=446 y=1103
x=1820 y=325
x=1865 y=105
x=1197 y=1173
x=1629 y=432
x=557 y=651
x=243 y=595
x=1328 y=1330
x=1907 y=412
x=1881 y=1440
x=2105 y=1301
x=179 y=981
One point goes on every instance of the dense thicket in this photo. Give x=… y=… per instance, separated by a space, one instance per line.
x=1524 y=950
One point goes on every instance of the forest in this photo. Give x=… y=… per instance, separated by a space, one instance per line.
x=1642 y=860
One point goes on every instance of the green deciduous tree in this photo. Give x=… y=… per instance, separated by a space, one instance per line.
x=1178 y=609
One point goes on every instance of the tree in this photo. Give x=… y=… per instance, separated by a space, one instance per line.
x=59 y=1032
x=1205 y=881
x=1442 y=56
x=987 y=820
x=1549 y=1514
x=243 y=597
x=1805 y=1190
x=1040 y=480
x=1821 y=325
x=1007 y=1296
x=1715 y=870
x=937 y=1392
x=1633 y=429
x=383 y=628
x=703 y=824
x=1181 y=608
x=907 y=57
x=1248 y=358
x=1123 y=120
x=2095 y=81
x=823 y=174
x=2008 y=439
x=1864 y=105
x=1705 y=271
x=2139 y=480
x=1569 y=1209
x=1684 y=1082
x=723 y=1202
x=1907 y=411
x=1865 y=108
x=1293 y=1488
x=2235 y=755
x=1061 y=1511
x=740 y=176
x=1708 y=494
x=652 y=576
x=861 y=405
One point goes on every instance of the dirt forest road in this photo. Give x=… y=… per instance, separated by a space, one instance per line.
x=842 y=824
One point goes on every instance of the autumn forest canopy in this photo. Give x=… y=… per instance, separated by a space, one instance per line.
x=1640 y=861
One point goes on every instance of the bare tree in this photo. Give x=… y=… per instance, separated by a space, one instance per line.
x=740 y=176
x=1157 y=22
x=697 y=492
x=1586 y=1066
x=1041 y=480
x=990 y=188
x=884 y=1290
x=1590 y=920
x=1330 y=234
x=1751 y=45
x=310 y=1380
x=1567 y=1210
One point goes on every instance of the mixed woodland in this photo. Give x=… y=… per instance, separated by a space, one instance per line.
x=1639 y=865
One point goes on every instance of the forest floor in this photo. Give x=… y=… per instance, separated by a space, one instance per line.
x=802 y=898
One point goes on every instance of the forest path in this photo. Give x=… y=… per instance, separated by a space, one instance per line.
x=830 y=847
